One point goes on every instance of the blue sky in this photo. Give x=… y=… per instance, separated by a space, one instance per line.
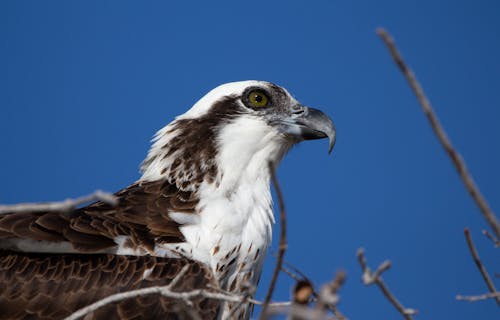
x=84 y=86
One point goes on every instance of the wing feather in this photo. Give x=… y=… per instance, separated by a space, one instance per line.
x=50 y=286
x=142 y=215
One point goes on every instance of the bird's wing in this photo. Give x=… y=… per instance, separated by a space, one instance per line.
x=142 y=218
x=52 y=286
x=52 y=263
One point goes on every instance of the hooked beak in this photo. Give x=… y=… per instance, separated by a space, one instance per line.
x=308 y=124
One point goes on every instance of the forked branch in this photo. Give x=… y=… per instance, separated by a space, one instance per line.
x=481 y=267
x=375 y=277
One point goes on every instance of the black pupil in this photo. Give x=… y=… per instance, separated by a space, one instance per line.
x=258 y=98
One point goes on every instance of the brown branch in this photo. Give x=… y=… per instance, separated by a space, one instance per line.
x=61 y=206
x=282 y=244
x=455 y=157
x=370 y=277
x=479 y=264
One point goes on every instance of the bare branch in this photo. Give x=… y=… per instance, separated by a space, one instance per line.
x=455 y=157
x=370 y=277
x=329 y=297
x=492 y=238
x=247 y=293
x=164 y=291
x=282 y=244
x=292 y=274
x=480 y=297
x=479 y=264
x=292 y=271
x=272 y=304
x=184 y=297
x=298 y=312
x=62 y=206
x=297 y=275
x=178 y=277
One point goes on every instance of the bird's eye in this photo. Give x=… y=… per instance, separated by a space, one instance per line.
x=258 y=99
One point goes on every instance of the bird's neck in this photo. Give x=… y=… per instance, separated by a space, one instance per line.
x=229 y=170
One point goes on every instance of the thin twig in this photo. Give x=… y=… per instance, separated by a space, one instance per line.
x=61 y=206
x=167 y=292
x=293 y=271
x=370 y=277
x=480 y=297
x=293 y=275
x=299 y=312
x=455 y=157
x=492 y=238
x=297 y=275
x=479 y=264
x=282 y=244
x=178 y=277
x=329 y=297
x=164 y=291
x=247 y=292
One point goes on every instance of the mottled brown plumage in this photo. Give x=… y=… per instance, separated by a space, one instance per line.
x=141 y=214
x=51 y=286
x=30 y=281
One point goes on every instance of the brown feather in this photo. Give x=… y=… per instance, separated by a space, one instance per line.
x=142 y=215
x=52 y=286
x=34 y=287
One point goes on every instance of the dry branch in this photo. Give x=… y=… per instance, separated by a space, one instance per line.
x=282 y=244
x=166 y=291
x=298 y=312
x=369 y=277
x=297 y=275
x=328 y=297
x=479 y=297
x=455 y=157
x=480 y=266
x=492 y=238
x=61 y=206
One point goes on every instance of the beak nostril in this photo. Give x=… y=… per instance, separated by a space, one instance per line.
x=298 y=109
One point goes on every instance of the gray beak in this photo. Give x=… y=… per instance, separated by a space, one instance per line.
x=309 y=124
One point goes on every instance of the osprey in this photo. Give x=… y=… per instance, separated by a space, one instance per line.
x=203 y=204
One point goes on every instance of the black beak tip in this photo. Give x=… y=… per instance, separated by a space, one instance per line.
x=331 y=143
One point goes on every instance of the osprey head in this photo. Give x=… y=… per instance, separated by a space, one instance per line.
x=272 y=104
x=238 y=125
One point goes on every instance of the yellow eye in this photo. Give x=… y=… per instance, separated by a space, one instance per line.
x=257 y=99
